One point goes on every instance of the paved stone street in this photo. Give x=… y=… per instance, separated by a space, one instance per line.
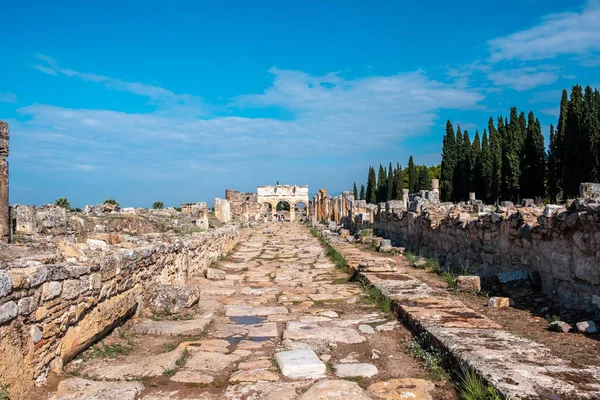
x=284 y=323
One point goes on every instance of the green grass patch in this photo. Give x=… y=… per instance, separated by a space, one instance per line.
x=159 y=315
x=4 y=395
x=472 y=387
x=335 y=256
x=432 y=360
x=450 y=278
x=169 y=371
x=433 y=265
x=374 y=296
x=167 y=347
x=185 y=354
x=410 y=256
x=104 y=350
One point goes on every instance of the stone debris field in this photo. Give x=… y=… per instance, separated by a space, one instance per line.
x=277 y=321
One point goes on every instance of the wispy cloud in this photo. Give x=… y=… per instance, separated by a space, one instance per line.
x=525 y=78
x=8 y=97
x=162 y=97
x=570 y=33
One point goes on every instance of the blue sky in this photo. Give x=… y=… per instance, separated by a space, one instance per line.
x=177 y=100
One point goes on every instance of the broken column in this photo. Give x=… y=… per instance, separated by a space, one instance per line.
x=4 y=214
x=405 y=197
x=471 y=196
x=434 y=194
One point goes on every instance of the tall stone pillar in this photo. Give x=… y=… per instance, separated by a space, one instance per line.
x=4 y=217
x=471 y=196
x=405 y=197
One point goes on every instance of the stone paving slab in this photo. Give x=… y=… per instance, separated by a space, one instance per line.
x=85 y=389
x=300 y=364
x=178 y=328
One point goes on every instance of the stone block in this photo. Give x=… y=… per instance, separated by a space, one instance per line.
x=173 y=297
x=26 y=305
x=498 y=302
x=355 y=370
x=468 y=283
x=36 y=333
x=6 y=283
x=51 y=290
x=377 y=265
x=559 y=326
x=97 y=245
x=586 y=327
x=215 y=274
x=8 y=311
x=300 y=364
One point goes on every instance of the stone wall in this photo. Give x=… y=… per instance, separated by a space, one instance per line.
x=4 y=211
x=560 y=246
x=244 y=206
x=223 y=210
x=51 y=312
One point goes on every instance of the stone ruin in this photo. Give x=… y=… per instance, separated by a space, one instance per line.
x=246 y=207
x=555 y=247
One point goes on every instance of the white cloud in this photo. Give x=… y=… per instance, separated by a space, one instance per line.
x=8 y=97
x=160 y=96
x=524 y=78
x=571 y=33
x=332 y=114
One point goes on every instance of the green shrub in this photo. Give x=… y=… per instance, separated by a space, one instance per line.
x=158 y=205
x=450 y=278
x=111 y=201
x=433 y=265
x=64 y=203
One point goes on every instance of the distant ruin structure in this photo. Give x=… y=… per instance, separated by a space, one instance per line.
x=4 y=210
x=249 y=206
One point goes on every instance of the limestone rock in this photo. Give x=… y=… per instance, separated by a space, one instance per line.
x=204 y=361
x=8 y=311
x=377 y=265
x=173 y=297
x=499 y=302
x=355 y=370
x=6 y=283
x=300 y=364
x=307 y=331
x=215 y=274
x=329 y=314
x=468 y=283
x=188 y=376
x=586 y=327
x=403 y=388
x=254 y=375
x=97 y=245
x=85 y=389
x=190 y=327
x=366 y=329
x=246 y=311
x=334 y=389
x=559 y=326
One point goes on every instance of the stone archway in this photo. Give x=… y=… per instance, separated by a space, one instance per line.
x=288 y=193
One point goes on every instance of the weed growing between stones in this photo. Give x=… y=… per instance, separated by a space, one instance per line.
x=167 y=347
x=472 y=387
x=169 y=371
x=450 y=279
x=4 y=392
x=110 y=351
x=374 y=296
x=434 y=363
x=159 y=315
x=335 y=256
x=185 y=354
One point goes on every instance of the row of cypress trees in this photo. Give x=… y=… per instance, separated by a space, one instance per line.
x=388 y=184
x=511 y=162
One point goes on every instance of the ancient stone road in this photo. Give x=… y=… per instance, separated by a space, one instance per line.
x=283 y=324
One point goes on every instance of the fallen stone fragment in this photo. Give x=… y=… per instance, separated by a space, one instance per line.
x=85 y=389
x=468 y=283
x=388 y=326
x=254 y=375
x=366 y=329
x=355 y=370
x=420 y=263
x=329 y=314
x=586 y=327
x=403 y=388
x=559 y=326
x=498 y=302
x=300 y=364
x=215 y=274
x=334 y=389
x=375 y=354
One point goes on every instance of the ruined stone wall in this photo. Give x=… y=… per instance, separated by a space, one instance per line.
x=4 y=210
x=562 y=246
x=244 y=206
x=223 y=210
x=50 y=313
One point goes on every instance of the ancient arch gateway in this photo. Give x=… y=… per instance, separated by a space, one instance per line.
x=288 y=193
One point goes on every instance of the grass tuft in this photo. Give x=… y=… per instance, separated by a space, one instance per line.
x=185 y=354
x=374 y=296
x=4 y=395
x=472 y=387
x=104 y=350
x=433 y=360
x=450 y=278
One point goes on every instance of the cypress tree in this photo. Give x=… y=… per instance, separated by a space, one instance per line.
x=511 y=160
x=371 y=187
x=589 y=136
x=574 y=171
x=457 y=188
x=486 y=168
x=412 y=175
x=381 y=184
x=496 y=161
x=559 y=153
x=398 y=182
x=390 y=184
x=423 y=179
x=552 y=184
x=355 y=192
x=533 y=161
x=362 y=192
x=464 y=167
x=475 y=171
x=449 y=161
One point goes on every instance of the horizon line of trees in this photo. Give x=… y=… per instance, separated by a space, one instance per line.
x=387 y=184
x=510 y=161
